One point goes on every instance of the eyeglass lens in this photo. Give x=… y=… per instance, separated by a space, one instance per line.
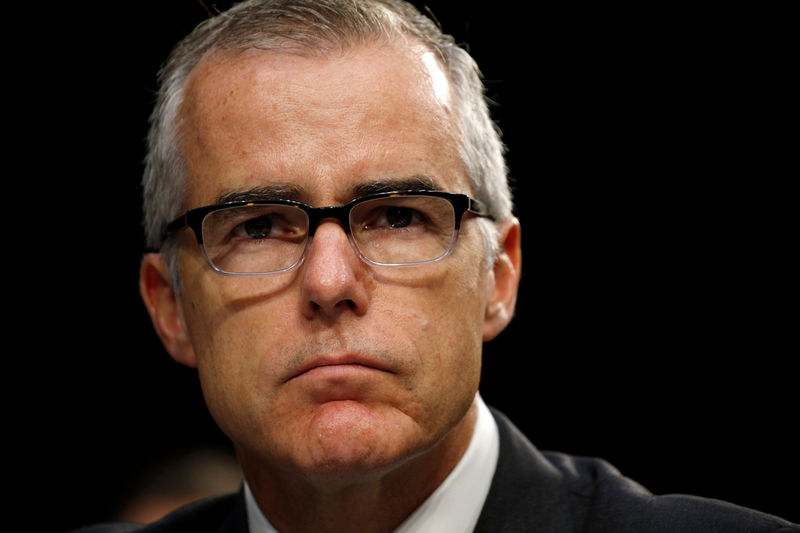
x=265 y=238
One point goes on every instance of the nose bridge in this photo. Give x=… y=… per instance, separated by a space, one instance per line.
x=333 y=272
x=332 y=249
x=317 y=214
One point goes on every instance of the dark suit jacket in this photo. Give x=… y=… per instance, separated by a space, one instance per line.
x=531 y=492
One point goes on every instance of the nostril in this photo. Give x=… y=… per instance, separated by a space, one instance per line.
x=343 y=304
x=349 y=304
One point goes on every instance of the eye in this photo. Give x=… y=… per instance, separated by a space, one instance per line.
x=399 y=217
x=394 y=215
x=256 y=228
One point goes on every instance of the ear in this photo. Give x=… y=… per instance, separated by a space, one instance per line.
x=155 y=286
x=504 y=280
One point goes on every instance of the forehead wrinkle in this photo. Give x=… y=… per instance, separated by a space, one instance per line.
x=309 y=148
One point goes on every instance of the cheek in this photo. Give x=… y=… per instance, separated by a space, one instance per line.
x=230 y=336
x=237 y=376
x=228 y=314
x=460 y=315
x=445 y=323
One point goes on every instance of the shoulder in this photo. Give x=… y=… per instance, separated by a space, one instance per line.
x=223 y=514
x=111 y=527
x=589 y=495
x=602 y=499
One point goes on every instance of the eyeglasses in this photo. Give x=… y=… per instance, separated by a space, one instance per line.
x=271 y=236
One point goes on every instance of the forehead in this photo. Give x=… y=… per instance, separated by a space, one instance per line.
x=324 y=124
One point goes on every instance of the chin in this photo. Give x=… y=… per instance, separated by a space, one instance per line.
x=347 y=441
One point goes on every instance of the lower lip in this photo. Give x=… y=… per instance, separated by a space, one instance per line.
x=332 y=383
x=338 y=371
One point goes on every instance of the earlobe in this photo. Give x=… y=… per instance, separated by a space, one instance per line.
x=504 y=280
x=158 y=294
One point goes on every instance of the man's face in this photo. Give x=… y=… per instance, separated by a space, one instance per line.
x=337 y=367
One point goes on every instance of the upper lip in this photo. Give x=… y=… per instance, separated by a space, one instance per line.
x=337 y=359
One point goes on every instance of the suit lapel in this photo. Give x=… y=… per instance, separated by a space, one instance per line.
x=526 y=492
x=236 y=521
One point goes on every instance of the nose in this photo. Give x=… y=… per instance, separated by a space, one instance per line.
x=333 y=275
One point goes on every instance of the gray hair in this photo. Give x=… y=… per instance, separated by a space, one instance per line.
x=316 y=25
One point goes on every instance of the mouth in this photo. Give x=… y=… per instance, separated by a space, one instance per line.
x=338 y=365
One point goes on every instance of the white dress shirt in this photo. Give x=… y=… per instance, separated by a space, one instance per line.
x=454 y=507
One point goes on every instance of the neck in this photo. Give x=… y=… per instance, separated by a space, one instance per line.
x=377 y=502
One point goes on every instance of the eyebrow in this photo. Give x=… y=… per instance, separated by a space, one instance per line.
x=264 y=192
x=299 y=194
x=414 y=183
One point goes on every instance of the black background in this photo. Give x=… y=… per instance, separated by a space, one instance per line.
x=657 y=316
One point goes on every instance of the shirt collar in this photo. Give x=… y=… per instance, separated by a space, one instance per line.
x=455 y=505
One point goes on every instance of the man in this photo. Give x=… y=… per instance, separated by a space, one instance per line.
x=336 y=241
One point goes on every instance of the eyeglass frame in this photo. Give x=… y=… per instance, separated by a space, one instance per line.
x=462 y=203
